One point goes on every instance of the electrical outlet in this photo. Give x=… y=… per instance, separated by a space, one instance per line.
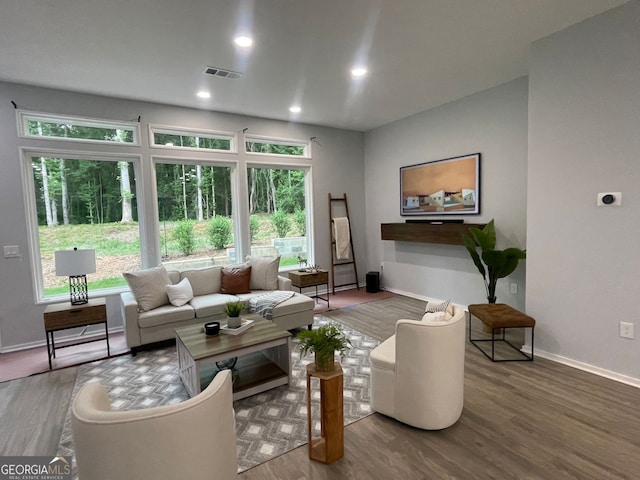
x=514 y=288
x=626 y=330
x=11 y=251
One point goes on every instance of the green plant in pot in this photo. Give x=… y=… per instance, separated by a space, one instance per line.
x=233 y=311
x=492 y=264
x=324 y=342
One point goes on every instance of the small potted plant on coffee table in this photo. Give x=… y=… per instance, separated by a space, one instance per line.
x=233 y=311
x=324 y=342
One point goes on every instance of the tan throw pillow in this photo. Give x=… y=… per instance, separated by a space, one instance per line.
x=264 y=272
x=236 y=279
x=180 y=293
x=149 y=287
x=204 y=280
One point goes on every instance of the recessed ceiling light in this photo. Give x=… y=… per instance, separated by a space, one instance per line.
x=358 y=72
x=203 y=94
x=295 y=109
x=243 y=41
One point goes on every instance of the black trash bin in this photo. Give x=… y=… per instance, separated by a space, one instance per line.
x=373 y=282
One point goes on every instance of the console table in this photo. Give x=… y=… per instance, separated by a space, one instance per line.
x=62 y=316
x=311 y=279
x=329 y=447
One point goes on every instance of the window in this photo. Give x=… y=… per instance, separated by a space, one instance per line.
x=195 y=215
x=277 y=207
x=85 y=203
x=78 y=129
x=198 y=140
x=276 y=147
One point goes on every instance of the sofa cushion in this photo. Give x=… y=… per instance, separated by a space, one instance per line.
x=211 y=305
x=264 y=272
x=164 y=315
x=180 y=293
x=149 y=286
x=236 y=279
x=203 y=280
x=384 y=355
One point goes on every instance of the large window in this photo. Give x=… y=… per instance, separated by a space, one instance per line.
x=85 y=203
x=195 y=215
x=278 y=218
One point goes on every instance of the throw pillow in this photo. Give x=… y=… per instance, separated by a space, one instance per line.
x=440 y=307
x=149 y=287
x=236 y=279
x=436 y=317
x=204 y=280
x=264 y=272
x=180 y=293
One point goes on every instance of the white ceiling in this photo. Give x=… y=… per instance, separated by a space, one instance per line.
x=419 y=53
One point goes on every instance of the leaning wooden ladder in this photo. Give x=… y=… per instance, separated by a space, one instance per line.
x=334 y=261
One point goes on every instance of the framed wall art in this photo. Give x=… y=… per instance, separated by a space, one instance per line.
x=441 y=187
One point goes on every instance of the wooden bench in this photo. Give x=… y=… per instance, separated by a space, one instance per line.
x=498 y=316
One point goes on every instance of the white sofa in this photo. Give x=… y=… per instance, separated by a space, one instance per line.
x=417 y=375
x=194 y=439
x=144 y=325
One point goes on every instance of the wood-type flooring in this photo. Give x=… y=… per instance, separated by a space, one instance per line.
x=521 y=420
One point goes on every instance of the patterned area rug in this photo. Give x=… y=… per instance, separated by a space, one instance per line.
x=267 y=425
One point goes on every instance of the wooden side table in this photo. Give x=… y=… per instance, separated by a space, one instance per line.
x=329 y=447
x=62 y=316
x=309 y=279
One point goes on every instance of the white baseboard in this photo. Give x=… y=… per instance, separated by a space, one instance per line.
x=60 y=340
x=618 y=377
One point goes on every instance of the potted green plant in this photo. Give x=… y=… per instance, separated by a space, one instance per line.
x=491 y=263
x=233 y=311
x=324 y=342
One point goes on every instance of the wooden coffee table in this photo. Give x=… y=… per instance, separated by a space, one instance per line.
x=263 y=352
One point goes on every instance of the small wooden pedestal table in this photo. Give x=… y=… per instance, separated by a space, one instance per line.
x=330 y=446
x=61 y=316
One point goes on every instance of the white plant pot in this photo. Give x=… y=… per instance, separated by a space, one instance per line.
x=234 y=322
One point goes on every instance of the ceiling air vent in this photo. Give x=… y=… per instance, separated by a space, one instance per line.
x=221 y=72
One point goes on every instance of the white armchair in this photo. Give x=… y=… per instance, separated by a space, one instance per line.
x=417 y=375
x=194 y=439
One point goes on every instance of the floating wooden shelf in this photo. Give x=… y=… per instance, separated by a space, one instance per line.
x=445 y=233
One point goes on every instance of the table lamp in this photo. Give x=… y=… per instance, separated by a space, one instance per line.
x=76 y=264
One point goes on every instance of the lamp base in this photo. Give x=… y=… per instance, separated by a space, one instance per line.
x=78 y=289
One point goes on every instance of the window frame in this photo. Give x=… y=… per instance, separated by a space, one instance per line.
x=30 y=204
x=24 y=116
x=308 y=196
x=178 y=160
x=182 y=131
x=306 y=145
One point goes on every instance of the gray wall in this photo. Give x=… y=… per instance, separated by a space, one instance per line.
x=337 y=167
x=494 y=123
x=584 y=136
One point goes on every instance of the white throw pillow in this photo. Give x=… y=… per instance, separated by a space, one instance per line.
x=264 y=272
x=436 y=317
x=180 y=293
x=149 y=287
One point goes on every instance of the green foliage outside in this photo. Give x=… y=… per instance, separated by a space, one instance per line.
x=300 y=219
x=254 y=225
x=281 y=223
x=183 y=234
x=220 y=232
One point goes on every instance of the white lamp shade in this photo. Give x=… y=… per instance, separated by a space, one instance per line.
x=75 y=262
